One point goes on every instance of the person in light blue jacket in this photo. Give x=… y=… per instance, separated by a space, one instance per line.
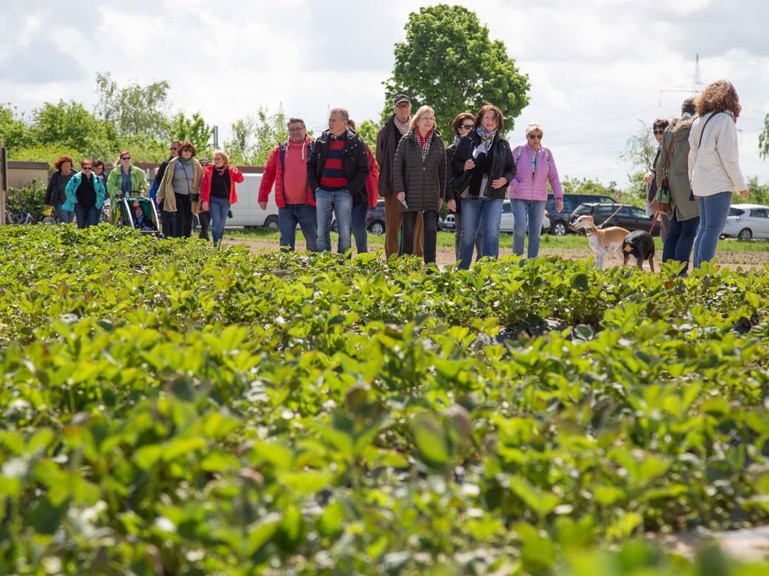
x=85 y=196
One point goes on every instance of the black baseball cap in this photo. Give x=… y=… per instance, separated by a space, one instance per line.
x=401 y=98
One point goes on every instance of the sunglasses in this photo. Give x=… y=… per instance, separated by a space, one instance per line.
x=534 y=136
x=467 y=126
x=87 y=168
x=172 y=149
x=125 y=157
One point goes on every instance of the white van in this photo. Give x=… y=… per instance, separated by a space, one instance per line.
x=247 y=212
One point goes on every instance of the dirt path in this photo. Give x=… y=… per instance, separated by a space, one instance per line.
x=445 y=256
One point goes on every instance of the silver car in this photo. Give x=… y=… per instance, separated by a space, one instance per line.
x=747 y=221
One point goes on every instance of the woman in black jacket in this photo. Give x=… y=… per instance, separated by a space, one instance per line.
x=55 y=194
x=487 y=160
x=419 y=180
x=462 y=125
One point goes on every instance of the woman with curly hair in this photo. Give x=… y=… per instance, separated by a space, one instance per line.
x=714 y=164
x=55 y=194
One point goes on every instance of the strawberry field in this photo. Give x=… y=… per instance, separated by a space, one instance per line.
x=168 y=408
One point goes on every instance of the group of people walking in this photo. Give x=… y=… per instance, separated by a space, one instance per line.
x=697 y=161
x=336 y=177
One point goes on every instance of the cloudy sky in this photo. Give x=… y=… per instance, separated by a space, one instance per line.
x=597 y=68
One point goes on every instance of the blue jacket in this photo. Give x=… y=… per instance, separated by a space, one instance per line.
x=71 y=192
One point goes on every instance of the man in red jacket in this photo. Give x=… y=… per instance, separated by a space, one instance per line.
x=287 y=169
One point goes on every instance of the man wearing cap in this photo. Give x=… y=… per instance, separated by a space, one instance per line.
x=386 y=145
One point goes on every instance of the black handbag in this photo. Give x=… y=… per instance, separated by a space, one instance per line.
x=460 y=182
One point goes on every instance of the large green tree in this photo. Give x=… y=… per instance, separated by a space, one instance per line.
x=137 y=112
x=253 y=138
x=763 y=139
x=70 y=125
x=449 y=62
x=193 y=130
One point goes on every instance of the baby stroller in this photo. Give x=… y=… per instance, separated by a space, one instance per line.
x=137 y=212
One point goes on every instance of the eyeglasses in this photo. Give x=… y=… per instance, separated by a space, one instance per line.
x=295 y=129
x=87 y=168
x=534 y=136
x=467 y=126
x=174 y=148
x=658 y=131
x=426 y=119
x=125 y=157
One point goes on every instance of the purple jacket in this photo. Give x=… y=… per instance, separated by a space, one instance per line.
x=528 y=186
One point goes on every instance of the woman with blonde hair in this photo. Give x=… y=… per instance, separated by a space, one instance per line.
x=714 y=163
x=419 y=180
x=217 y=192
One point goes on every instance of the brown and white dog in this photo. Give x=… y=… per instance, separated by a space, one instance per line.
x=640 y=245
x=603 y=241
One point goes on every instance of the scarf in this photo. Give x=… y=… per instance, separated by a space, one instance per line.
x=402 y=127
x=424 y=144
x=487 y=139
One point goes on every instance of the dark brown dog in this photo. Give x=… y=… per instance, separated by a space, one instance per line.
x=640 y=245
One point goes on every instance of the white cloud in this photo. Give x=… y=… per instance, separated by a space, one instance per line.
x=596 y=67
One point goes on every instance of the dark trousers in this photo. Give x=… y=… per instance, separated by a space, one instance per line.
x=204 y=218
x=393 y=228
x=167 y=220
x=86 y=216
x=183 y=218
x=679 y=240
x=430 y=221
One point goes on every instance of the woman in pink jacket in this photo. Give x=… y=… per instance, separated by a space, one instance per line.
x=534 y=168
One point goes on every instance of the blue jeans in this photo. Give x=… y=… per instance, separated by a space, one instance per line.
x=713 y=212
x=528 y=215
x=307 y=218
x=679 y=240
x=86 y=216
x=65 y=216
x=359 y=227
x=476 y=213
x=338 y=202
x=218 y=208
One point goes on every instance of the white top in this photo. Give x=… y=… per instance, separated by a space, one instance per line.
x=715 y=166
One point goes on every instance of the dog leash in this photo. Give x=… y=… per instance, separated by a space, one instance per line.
x=654 y=221
x=602 y=224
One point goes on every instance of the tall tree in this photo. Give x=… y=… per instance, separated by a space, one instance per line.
x=14 y=133
x=639 y=152
x=193 y=129
x=763 y=139
x=254 y=138
x=137 y=112
x=70 y=125
x=449 y=62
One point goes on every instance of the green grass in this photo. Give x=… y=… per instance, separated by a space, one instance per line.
x=446 y=240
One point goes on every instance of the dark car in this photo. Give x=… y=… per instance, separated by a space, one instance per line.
x=628 y=217
x=559 y=221
x=375 y=219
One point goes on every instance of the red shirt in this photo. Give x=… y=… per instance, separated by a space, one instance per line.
x=295 y=174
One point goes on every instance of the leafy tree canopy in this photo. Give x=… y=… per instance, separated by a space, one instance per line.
x=135 y=111
x=449 y=62
x=253 y=138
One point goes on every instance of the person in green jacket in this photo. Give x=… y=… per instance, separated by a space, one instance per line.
x=126 y=179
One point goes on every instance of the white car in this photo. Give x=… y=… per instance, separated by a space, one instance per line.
x=747 y=221
x=507 y=222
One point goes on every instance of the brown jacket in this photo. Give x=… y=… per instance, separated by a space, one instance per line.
x=166 y=188
x=424 y=182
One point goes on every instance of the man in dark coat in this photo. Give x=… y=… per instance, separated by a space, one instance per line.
x=386 y=145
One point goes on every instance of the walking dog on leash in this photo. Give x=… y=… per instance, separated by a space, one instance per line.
x=602 y=241
x=640 y=245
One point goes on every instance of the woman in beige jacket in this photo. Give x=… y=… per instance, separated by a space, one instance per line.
x=180 y=187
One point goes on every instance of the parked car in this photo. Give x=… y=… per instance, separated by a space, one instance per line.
x=747 y=221
x=559 y=221
x=506 y=224
x=628 y=217
x=246 y=212
x=375 y=219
